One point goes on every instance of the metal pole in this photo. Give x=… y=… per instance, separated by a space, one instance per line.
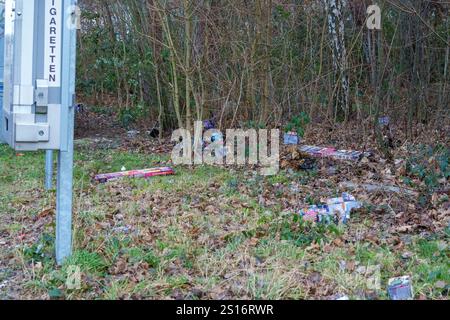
x=2 y=63
x=64 y=205
x=65 y=156
x=48 y=170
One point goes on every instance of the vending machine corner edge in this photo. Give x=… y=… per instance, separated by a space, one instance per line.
x=2 y=40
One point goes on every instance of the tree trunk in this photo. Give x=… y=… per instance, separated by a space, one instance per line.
x=335 y=13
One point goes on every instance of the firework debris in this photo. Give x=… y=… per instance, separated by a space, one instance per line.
x=333 y=153
x=335 y=210
x=400 y=288
x=145 y=173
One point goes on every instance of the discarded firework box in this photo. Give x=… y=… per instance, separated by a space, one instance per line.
x=349 y=155
x=291 y=138
x=145 y=173
x=400 y=288
x=334 y=153
x=336 y=210
x=318 y=152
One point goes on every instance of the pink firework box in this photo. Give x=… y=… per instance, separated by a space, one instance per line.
x=145 y=173
x=327 y=152
x=318 y=151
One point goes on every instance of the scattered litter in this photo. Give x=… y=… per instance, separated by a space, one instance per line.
x=407 y=255
x=333 y=153
x=123 y=230
x=216 y=137
x=378 y=188
x=20 y=155
x=291 y=138
x=209 y=124
x=3 y=284
x=400 y=288
x=133 y=134
x=329 y=171
x=342 y=265
x=80 y=108
x=222 y=151
x=336 y=210
x=123 y=169
x=384 y=121
x=119 y=217
x=154 y=133
x=146 y=173
x=295 y=188
x=343 y=298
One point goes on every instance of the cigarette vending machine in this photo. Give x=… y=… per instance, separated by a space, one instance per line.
x=37 y=112
x=34 y=117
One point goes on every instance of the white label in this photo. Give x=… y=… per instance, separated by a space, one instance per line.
x=53 y=39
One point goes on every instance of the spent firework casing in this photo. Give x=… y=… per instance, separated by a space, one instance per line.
x=145 y=173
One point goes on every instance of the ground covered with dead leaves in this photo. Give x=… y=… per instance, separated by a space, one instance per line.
x=229 y=233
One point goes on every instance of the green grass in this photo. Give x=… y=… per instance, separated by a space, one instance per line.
x=201 y=234
x=89 y=262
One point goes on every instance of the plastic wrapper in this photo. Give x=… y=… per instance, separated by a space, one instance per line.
x=400 y=288
x=291 y=138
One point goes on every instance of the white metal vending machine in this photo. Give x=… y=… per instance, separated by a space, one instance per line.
x=32 y=112
x=39 y=90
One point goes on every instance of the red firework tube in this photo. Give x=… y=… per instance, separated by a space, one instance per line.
x=145 y=173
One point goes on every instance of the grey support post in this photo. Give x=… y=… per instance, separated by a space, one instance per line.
x=65 y=156
x=2 y=49
x=48 y=170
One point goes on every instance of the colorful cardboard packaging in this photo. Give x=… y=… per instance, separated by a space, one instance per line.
x=336 y=210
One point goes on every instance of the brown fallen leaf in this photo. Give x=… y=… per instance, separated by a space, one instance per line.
x=253 y=242
x=45 y=213
x=350 y=266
